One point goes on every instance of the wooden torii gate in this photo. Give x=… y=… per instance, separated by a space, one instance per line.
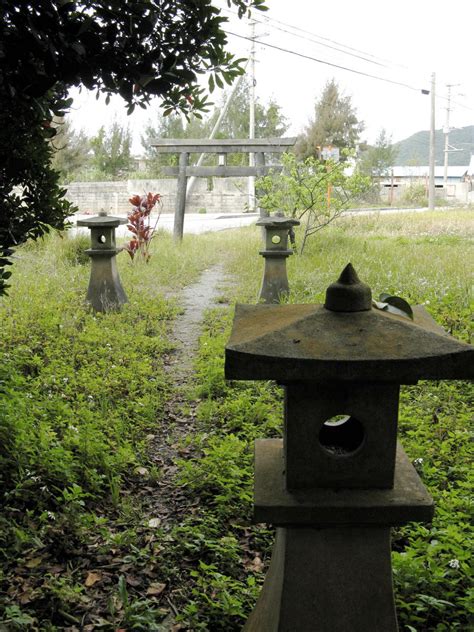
x=184 y=147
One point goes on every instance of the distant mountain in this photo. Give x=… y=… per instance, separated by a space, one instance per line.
x=414 y=150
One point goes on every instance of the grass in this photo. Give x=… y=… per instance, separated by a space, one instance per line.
x=81 y=393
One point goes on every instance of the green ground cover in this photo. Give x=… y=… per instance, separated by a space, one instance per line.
x=81 y=393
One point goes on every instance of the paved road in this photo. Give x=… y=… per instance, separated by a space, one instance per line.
x=194 y=223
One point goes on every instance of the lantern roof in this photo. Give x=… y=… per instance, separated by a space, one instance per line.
x=311 y=342
x=278 y=221
x=102 y=221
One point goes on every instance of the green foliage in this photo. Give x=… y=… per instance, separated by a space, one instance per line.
x=376 y=161
x=335 y=124
x=431 y=568
x=208 y=554
x=415 y=195
x=171 y=126
x=74 y=249
x=118 y=48
x=313 y=191
x=218 y=601
x=77 y=398
x=432 y=564
x=112 y=150
x=222 y=473
x=136 y=614
x=71 y=150
x=269 y=122
x=30 y=196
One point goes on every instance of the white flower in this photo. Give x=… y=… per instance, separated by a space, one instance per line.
x=453 y=563
x=418 y=461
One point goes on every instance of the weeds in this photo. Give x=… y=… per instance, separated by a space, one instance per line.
x=80 y=393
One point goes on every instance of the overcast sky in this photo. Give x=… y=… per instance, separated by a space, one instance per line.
x=401 y=42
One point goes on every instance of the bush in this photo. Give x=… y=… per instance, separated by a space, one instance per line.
x=414 y=195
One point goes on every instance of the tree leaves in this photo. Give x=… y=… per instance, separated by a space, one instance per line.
x=92 y=578
x=394 y=305
x=315 y=192
x=335 y=124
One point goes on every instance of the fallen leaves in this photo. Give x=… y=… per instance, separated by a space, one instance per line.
x=256 y=565
x=92 y=578
x=155 y=589
x=33 y=562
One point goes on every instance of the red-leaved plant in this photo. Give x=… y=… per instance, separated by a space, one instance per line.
x=139 y=224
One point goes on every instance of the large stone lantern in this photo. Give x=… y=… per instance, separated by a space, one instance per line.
x=275 y=280
x=105 y=292
x=338 y=480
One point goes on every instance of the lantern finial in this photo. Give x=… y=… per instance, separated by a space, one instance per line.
x=348 y=294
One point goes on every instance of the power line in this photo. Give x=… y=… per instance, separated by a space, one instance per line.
x=327 y=39
x=313 y=37
x=272 y=22
x=328 y=63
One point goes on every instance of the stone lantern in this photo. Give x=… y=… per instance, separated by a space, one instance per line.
x=105 y=290
x=275 y=280
x=338 y=480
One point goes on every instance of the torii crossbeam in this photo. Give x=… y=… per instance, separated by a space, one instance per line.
x=186 y=146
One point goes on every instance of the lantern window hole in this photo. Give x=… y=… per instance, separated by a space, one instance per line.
x=276 y=239
x=341 y=435
x=101 y=239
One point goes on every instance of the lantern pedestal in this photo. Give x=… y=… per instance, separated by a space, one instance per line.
x=331 y=564
x=327 y=580
x=275 y=284
x=105 y=292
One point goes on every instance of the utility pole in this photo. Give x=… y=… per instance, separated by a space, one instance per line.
x=251 y=181
x=215 y=129
x=446 y=130
x=431 y=185
x=446 y=141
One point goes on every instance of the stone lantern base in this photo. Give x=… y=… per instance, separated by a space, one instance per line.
x=331 y=564
x=275 y=284
x=105 y=292
x=327 y=580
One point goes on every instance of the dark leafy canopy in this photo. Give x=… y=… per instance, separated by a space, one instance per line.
x=137 y=49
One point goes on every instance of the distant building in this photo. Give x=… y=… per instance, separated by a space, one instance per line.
x=460 y=181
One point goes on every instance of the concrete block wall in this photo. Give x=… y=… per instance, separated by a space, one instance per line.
x=214 y=195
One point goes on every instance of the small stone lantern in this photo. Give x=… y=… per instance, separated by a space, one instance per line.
x=338 y=480
x=275 y=280
x=105 y=292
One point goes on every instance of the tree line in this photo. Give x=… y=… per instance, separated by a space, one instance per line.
x=108 y=154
